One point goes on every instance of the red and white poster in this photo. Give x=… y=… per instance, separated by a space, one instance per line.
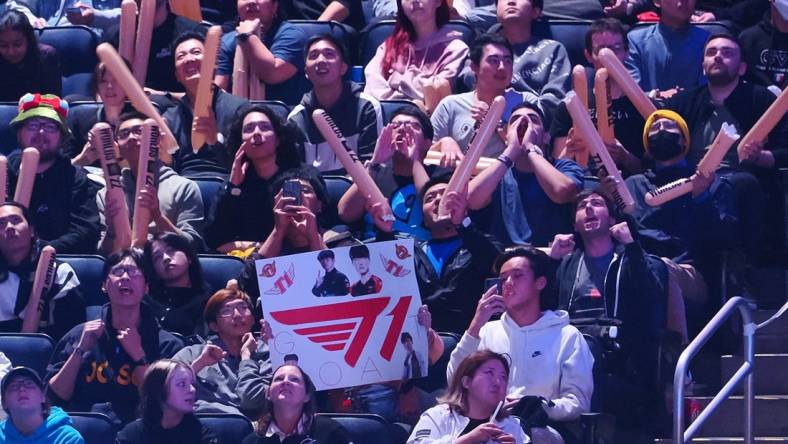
x=347 y=316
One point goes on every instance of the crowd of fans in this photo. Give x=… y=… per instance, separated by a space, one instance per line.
x=588 y=296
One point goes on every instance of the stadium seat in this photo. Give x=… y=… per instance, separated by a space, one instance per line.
x=571 y=34
x=279 y=107
x=95 y=428
x=76 y=49
x=8 y=111
x=209 y=188
x=436 y=377
x=217 y=269
x=374 y=35
x=368 y=429
x=28 y=349
x=340 y=31
x=89 y=269
x=389 y=106
x=711 y=27
x=336 y=187
x=230 y=428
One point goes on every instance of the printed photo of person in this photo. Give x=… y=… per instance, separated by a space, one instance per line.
x=367 y=283
x=291 y=359
x=415 y=365
x=331 y=282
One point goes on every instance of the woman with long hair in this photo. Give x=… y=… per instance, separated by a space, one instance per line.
x=25 y=65
x=177 y=290
x=472 y=410
x=263 y=146
x=420 y=51
x=291 y=414
x=167 y=398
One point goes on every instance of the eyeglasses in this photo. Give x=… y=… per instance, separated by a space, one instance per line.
x=243 y=310
x=618 y=47
x=126 y=132
x=26 y=384
x=37 y=125
x=131 y=271
x=406 y=123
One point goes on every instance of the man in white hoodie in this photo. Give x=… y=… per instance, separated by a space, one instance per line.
x=549 y=357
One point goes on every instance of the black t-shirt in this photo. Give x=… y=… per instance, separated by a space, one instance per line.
x=766 y=52
x=472 y=425
x=588 y=293
x=189 y=431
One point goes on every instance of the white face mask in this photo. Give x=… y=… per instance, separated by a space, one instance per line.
x=782 y=8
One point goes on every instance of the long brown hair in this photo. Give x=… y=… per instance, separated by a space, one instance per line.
x=405 y=33
x=308 y=411
x=155 y=388
x=457 y=395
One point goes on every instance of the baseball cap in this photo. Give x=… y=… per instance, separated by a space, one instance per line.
x=21 y=372
x=48 y=106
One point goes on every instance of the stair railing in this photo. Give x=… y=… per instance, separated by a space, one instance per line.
x=745 y=372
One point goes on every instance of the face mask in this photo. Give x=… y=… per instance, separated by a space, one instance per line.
x=664 y=145
x=782 y=8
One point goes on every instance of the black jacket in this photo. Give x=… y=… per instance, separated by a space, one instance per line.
x=179 y=310
x=210 y=160
x=63 y=206
x=189 y=431
x=322 y=431
x=334 y=283
x=104 y=381
x=635 y=292
x=452 y=297
x=746 y=103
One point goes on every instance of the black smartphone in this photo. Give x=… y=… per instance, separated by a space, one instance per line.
x=493 y=282
x=292 y=188
x=74 y=11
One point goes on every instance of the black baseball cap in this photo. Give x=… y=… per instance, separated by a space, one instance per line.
x=21 y=372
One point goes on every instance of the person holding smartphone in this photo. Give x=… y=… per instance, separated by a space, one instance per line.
x=549 y=357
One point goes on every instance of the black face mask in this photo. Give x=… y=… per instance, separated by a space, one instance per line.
x=664 y=145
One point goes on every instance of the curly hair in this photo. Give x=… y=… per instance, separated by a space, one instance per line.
x=286 y=148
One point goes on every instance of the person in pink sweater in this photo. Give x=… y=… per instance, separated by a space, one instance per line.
x=421 y=52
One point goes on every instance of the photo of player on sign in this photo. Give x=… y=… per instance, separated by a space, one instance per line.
x=368 y=283
x=332 y=282
x=415 y=366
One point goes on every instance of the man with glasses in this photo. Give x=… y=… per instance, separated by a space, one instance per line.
x=175 y=204
x=30 y=418
x=61 y=306
x=99 y=365
x=233 y=369
x=62 y=207
x=357 y=115
x=628 y=123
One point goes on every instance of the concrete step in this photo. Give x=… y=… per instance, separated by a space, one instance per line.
x=770 y=413
x=769 y=373
x=764 y=440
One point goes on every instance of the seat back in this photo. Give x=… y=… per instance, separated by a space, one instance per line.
x=436 y=376
x=340 y=31
x=76 y=49
x=89 y=269
x=8 y=110
x=279 y=107
x=375 y=34
x=711 y=27
x=336 y=186
x=217 y=269
x=28 y=349
x=209 y=188
x=365 y=428
x=390 y=106
x=228 y=427
x=95 y=428
x=571 y=34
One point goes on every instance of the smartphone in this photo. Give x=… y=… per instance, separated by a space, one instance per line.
x=74 y=11
x=493 y=282
x=292 y=188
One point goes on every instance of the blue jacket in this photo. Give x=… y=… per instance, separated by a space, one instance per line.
x=57 y=429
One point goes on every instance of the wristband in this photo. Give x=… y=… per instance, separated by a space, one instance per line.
x=504 y=159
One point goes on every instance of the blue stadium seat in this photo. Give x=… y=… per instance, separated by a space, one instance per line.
x=711 y=27
x=336 y=187
x=89 y=268
x=436 y=378
x=279 y=107
x=368 y=429
x=229 y=428
x=7 y=135
x=571 y=33
x=95 y=428
x=217 y=269
x=374 y=35
x=389 y=106
x=209 y=187
x=28 y=349
x=340 y=31
x=76 y=49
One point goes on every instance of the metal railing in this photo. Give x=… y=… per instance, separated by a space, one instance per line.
x=744 y=372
